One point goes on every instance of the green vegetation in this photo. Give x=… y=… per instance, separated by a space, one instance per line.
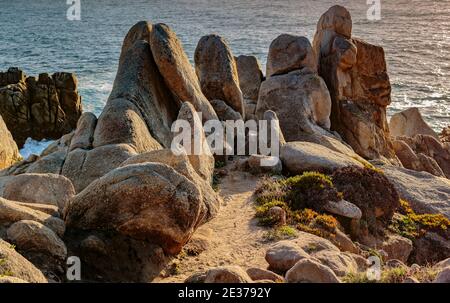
x=411 y=225
x=371 y=191
x=219 y=164
x=4 y=272
x=280 y=233
x=215 y=182
x=301 y=197
x=394 y=275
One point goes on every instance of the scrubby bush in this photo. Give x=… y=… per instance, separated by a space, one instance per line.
x=302 y=198
x=312 y=222
x=310 y=190
x=370 y=190
x=411 y=225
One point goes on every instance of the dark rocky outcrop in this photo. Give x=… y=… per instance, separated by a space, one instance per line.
x=46 y=107
x=356 y=75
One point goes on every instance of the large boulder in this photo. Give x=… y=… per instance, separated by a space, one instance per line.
x=11 y=212
x=217 y=72
x=356 y=75
x=418 y=162
x=15 y=265
x=283 y=255
x=443 y=276
x=340 y=263
x=40 y=188
x=397 y=248
x=288 y=53
x=43 y=108
x=84 y=166
x=198 y=150
x=301 y=101
x=432 y=148
x=178 y=73
x=310 y=271
x=227 y=274
x=425 y=192
x=258 y=274
x=250 y=77
x=183 y=166
x=410 y=123
x=48 y=164
x=298 y=157
x=84 y=133
x=430 y=248
x=150 y=202
x=140 y=108
x=9 y=153
x=224 y=111
x=40 y=245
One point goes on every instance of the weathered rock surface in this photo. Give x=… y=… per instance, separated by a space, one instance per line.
x=11 y=280
x=310 y=271
x=227 y=274
x=9 y=153
x=443 y=276
x=140 y=109
x=425 y=192
x=16 y=265
x=430 y=248
x=50 y=164
x=178 y=73
x=43 y=108
x=283 y=255
x=288 y=53
x=40 y=245
x=150 y=202
x=397 y=248
x=340 y=263
x=198 y=151
x=433 y=149
x=250 y=77
x=444 y=136
x=258 y=164
x=301 y=101
x=355 y=73
x=182 y=165
x=224 y=111
x=40 y=188
x=84 y=133
x=216 y=69
x=417 y=162
x=82 y=167
x=11 y=212
x=298 y=157
x=410 y=123
x=343 y=208
x=257 y=274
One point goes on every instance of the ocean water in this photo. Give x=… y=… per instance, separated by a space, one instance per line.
x=37 y=37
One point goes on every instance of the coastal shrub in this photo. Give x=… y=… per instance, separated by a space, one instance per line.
x=280 y=233
x=411 y=225
x=262 y=212
x=302 y=198
x=310 y=190
x=370 y=190
x=308 y=220
x=269 y=189
x=424 y=274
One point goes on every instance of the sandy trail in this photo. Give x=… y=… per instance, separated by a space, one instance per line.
x=234 y=238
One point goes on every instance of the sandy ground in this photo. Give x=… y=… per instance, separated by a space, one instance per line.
x=233 y=237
